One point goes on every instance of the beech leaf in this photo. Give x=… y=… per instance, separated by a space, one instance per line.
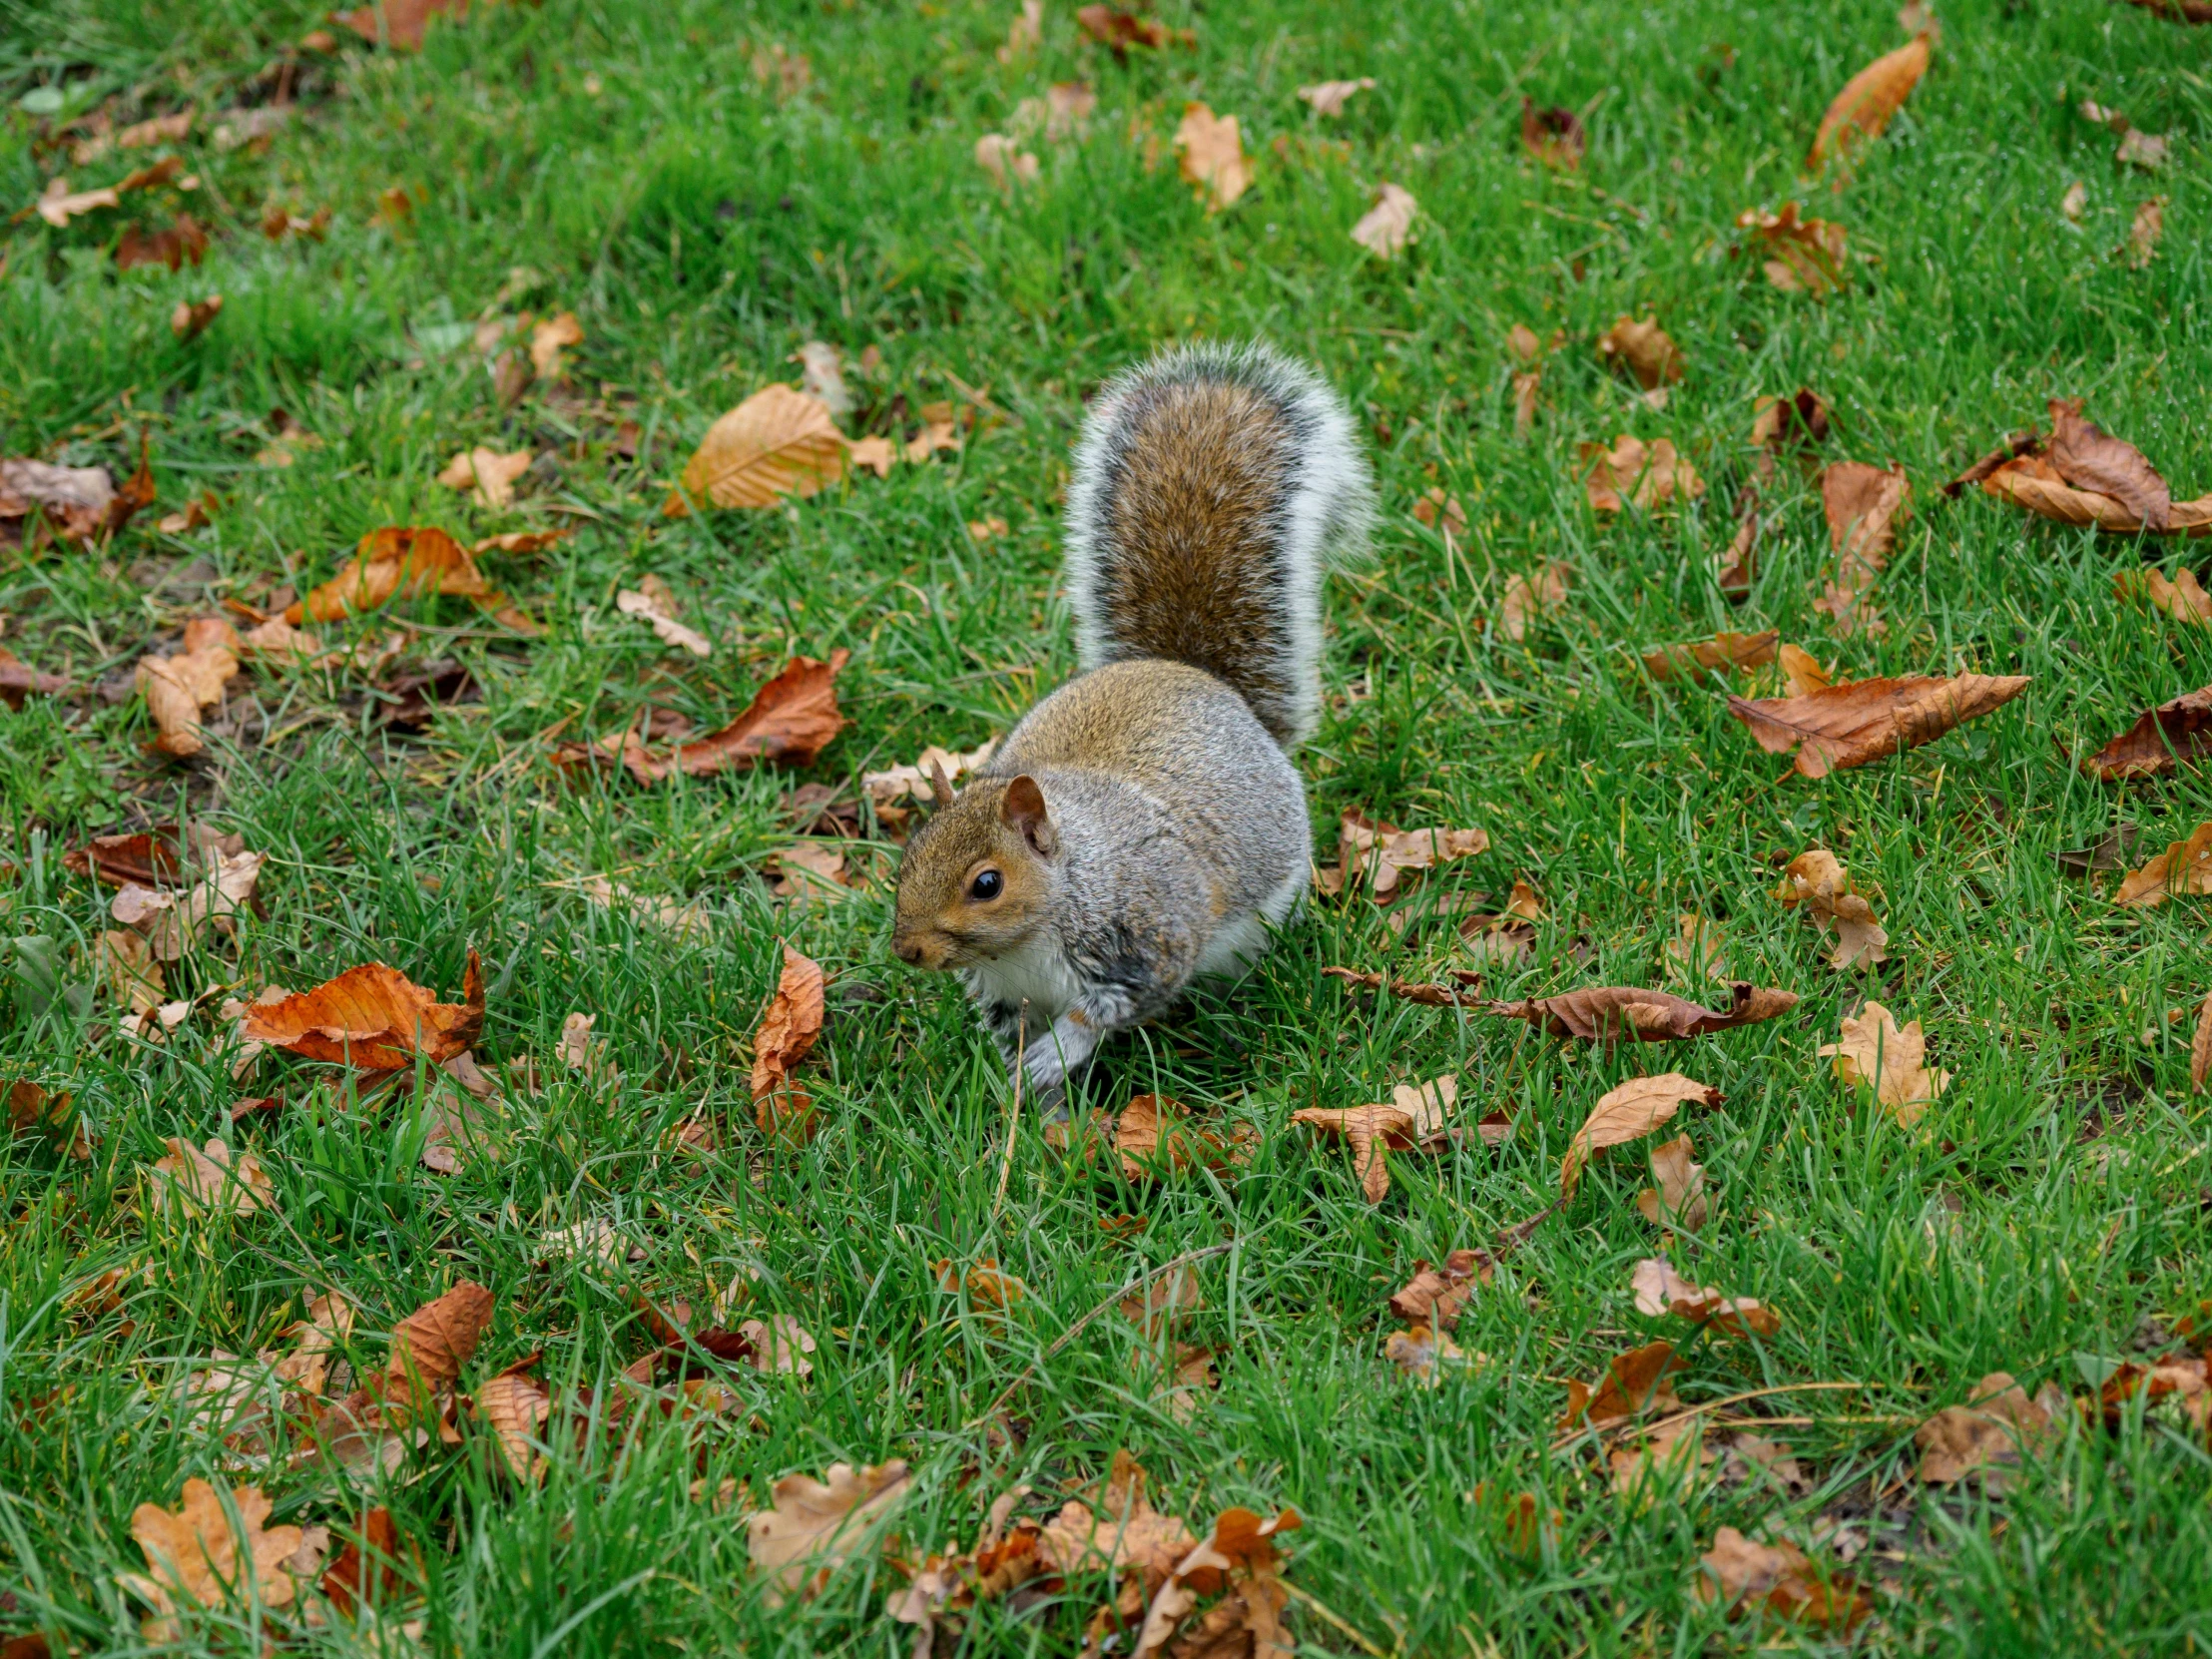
x=777 y=443
x=2158 y=742
x=1628 y=1113
x=1616 y=1013
x=1867 y=101
x=1719 y=654
x=2184 y=867
x=373 y=1017
x=1848 y=724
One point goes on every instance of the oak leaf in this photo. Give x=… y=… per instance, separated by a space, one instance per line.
x=1804 y=256
x=1329 y=97
x=1867 y=101
x=1155 y=1134
x=777 y=443
x=1238 y=1556
x=178 y=688
x=1527 y=599
x=1719 y=654
x=488 y=473
x=1553 y=135
x=1875 y=1052
x=1660 y=1290
x=1644 y=349
x=1628 y=1113
x=1679 y=1200
x=2184 y=867
x=1821 y=884
x=209 y=1554
x=2159 y=740
x=1616 y=1013
x=1386 y=227
x=1438 y=1295
x=1412 y=1117
x=1990 y=1434
x=1848 y=724
x=1779 y=1579
x=214 y=1181
x=373 y=1017
x=820 y=1524
x=1635 y=1381
x=1635 y=473
x=1211 y=156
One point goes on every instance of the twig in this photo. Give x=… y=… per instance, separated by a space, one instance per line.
x=1313 y=1601
x=1076 y=1330
x=1596 y=1430
x=1013 y=1113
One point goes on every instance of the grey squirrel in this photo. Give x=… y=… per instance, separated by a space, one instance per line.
x=1144 y=825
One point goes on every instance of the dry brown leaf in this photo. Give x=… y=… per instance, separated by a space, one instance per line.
x=786 y=1035
x=1660 y=1290
x=488 y=473
x=1465 y=993
x=2089 y=458
x=1877 y=1054
x=790 y=721
x=1644 y=349
x=1679 y=1200
x=777 y=443
x=1211 y=156
x=1634 y=472
x=1802 y=256
x=1990 y=1434
x=1528 y=599
x=1120 y=30
x=2200 y=1052
x=1720 y=653
x=78 y=503
x=1553 y=135
x=654 y=604
x=373 y=1017
x=1329 y=97
x=1163 y=1304
x=1385 y=227
x=212 y=1182
x=2158 y=742
x=1802 y=671
x=1635 y=1381
x=2144 y=232
x=200 y=1556
x=1422 y=1355
x=1698 y=951
x=1616 y=1013
x=431 y=1344
x=820 y=1524
x=1379 y=854
x=1779 y=1579
x=182 y=243
x=1862 y=504
x=1154 y=1134
x=1815 y=880
x=2184 y=867
x=1438 y=508
x=1867 y=101
x=1629 y=1113
x=1438 y=1296
x=396 y=562
x=178 y=688
x=366 y=1571
x=1414 y=1117
x=397 y=22
x=2183 y=597
x=1848 y=724
x=514 y=1407
x=547 y=341
x=1237 y=1557
x=1005 y=161
x=18 y=680
x=191 y=317
x=2083 y=476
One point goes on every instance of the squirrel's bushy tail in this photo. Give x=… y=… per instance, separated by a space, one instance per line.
x=1213 y=488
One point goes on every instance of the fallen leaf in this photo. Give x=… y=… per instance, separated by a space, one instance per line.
x=1164 y=1304
x=1877 y=1054
x=1660 y=1290
x=1848 y=724
x=938 y=431
x=396 y=562
x=549 y=339
x=278 y=223
x=2160 y=741
x=1463 y=994
x=366 y=1572
x=2184 y=867
x=79 y=503
x=1120 y=30
x=1385 y=227
x=1719 y=654
x=789 y=73
x=1635 y=1381
x=806 y=870
x=790 y=721
x=2076 y=202
x=1527 y=599
x=655 y=604
x=1628 y=1113
x=212 y=1182
x=1154 y=1134
x=1616 y=1013
x=1553 y=135
x=1644 y=349
x=373 y=1017
x=1815 y=880
x=519 y=542
x=178 y=688
x=488 y=473
x=2084 y=475
x=2144 y=232
x=1438 y=1295
x=1989 y=1434
x=58 y=204
x=1802 y=256
x=1779 y=1579
x=1862 y=504
x=1802 y=671
x=1379 y=855
x=1422 y=1355
x=777 y=443
x=397 y=22
x=19 y=679
x=1327 y=98
x=2148 y=151
x=820 y=1524
x=428 y=1349
x=1211 y=156
x=212 y=1554
x=126 y=965
x=1238 y=1556
x=1698 y=951
x=183 y=242
x=2200 y=1052
x=1414 y=1117
x=1679 y=1200
x=1632 y=472
x=1007 y=164
x=2183 y=597
x=1867 y=101
x=2112 y=850
x=1436 y=507
x=784 y=1036
x=1026 y=34
x=142 y=135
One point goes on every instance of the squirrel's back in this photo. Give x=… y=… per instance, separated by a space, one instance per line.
x=1213 y=488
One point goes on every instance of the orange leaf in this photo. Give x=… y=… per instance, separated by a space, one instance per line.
x=793 y=1021
x=373 y=1017
x=1848 y=724
x=2158 y=741
x=791 y=720
x=396 y=561
x=1867 y=101
x=777 y=442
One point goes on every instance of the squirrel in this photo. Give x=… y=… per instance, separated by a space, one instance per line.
x=1143 y=824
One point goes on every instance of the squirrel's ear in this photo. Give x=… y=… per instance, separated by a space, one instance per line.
x=1022 y=809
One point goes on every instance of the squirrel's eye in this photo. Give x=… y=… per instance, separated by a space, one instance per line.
x=986 y=886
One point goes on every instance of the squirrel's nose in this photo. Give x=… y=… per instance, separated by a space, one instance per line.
x=908 y=951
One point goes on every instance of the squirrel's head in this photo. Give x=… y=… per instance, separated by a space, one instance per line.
x=977 y=877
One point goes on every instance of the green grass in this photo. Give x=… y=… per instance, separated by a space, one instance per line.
x=2051 y=1214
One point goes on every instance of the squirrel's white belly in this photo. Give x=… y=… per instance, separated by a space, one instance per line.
x=1036 y=972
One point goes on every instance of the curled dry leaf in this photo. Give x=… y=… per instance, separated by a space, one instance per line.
x=1238 y=1556
x=1990 y=1434
x=777 y=443
x=2184 y=867
x=2158 y=742
x=397 y=562
x=2200 y=1052
x=1422 y=1355
x=373 y=1017
x=786 y=1034
x=1120 y=31
x=1644 y=349
x=1165 y=1303
x=1155 y=1134
x=1616 y=1013
x=1867 y=101
x=1212 y=157
x=1848 y=724
x=1718 y=653
x=1862 y=504
x=1385 y=227
x=18 y=680
x=1634 y=1382
x=1679 y=1200
x=488 y=473
x=1529 y=598
x=2183 y=597
x=790 y=721
x=1330 y=97
x=1553 y=135
x=1635 y=473
x=2144 y=232
x=2084 y=475
x=549 y=339
x=1414 y=1117
x=1778 y=1579
x=178 y=688
x=213 y=1554
x=820 y=1524
x=1877 y=1054
x=191 y=317
x=1629 y=1113
x=213 y=1180
x=1379 y=854
x=366 y=1571
x=1815 y=880
x=1009 y=165
x=1438 y=1295
x=430 y=1345
x=1802 y=256
x=1465 y=993
x=1660 y=1290
x=652 y=603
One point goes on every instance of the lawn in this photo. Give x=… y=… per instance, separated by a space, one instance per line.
x=705 y=189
